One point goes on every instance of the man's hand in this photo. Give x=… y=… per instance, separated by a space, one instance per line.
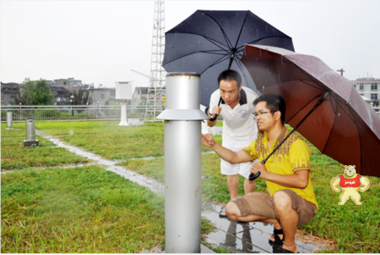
x=258 y=166
x=208 y=140
x=216 y=110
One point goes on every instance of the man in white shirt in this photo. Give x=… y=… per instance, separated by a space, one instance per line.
x=235 y=103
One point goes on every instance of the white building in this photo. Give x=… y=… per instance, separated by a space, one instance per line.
x=369 y=88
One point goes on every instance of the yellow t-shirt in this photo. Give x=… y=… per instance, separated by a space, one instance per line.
x=293 y=155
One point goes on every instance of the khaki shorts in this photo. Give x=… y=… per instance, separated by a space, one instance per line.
x=260 y=203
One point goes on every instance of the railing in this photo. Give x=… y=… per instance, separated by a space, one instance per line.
x=66 y=112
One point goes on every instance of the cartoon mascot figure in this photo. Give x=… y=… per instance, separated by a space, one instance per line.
x=350 y=182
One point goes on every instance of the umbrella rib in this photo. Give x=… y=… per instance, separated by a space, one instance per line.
x=216 y=43
x=241 y=30
x=321 y=86
x=349 y=113
x=223 y=32
x=210 y=52
x=333 y=99
x=258 y=40
x=311 y=85
x=320 y=95
x=215 y=63
x=240 y=65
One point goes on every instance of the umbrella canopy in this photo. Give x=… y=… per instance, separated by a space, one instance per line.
x=209 y=42
x=343 y=126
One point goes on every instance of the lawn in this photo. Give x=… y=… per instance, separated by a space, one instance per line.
x=78 y=210
x=15 y=156
x=354 y=228
x=109 y=140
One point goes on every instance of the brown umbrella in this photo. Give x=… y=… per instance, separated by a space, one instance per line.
x=321 y=104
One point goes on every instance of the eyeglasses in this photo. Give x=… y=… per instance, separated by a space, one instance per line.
x=260 y=113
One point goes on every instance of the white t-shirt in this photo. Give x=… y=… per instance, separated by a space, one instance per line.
x=239 y=124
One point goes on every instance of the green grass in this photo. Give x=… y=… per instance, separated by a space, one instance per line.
x=15 y=156
x=109 y=140
x=214 y=184
x=86 y=210
x=79 y=210
x=355 y=229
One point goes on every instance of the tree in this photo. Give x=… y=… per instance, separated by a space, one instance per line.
x=35 y=93
x=82 y=97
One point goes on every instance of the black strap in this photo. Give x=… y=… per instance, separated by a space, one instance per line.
x=216 y=115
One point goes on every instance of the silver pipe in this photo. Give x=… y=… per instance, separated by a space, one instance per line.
x=30 y=130
x=182 y=163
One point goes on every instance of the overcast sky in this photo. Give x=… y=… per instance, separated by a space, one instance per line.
x=101 y=41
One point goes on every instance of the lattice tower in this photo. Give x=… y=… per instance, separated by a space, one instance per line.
x=156 y=90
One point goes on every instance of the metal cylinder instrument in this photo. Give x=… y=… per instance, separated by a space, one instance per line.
x=182 y=163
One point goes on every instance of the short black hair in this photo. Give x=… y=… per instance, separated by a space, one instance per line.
x=230 y=75
x=274 y=103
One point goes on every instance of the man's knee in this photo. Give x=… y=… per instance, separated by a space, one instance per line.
x=232 y=211
x=282 y=200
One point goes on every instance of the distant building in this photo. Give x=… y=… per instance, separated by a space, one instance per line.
x=102 y=95
x=61 y=95
x=369 y=88
x=9 y=92
x=140 y=94
x=70 y=84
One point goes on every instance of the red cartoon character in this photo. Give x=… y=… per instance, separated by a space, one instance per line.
x=350 y=182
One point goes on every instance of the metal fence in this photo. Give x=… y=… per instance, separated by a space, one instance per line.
x=66 y=112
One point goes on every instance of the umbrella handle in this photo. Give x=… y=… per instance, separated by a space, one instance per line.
x=207 y=113
x=253 y=177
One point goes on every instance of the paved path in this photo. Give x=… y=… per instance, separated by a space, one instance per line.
x=237 y=238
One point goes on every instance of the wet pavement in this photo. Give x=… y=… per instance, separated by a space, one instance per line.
x=231 y=236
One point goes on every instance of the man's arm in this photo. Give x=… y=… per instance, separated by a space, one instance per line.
x=224 y=153
x=299 y=179
x=215 y=110
x=211 y=123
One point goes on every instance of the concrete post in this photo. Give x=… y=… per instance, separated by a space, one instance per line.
x=9 y=119
x=123 y=115
x=182 y=163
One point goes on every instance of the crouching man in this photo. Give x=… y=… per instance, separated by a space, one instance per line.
x=290 y=200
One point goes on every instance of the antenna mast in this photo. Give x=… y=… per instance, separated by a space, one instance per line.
x=156 y=89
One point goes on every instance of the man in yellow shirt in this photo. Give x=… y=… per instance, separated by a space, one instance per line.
x=290 y=200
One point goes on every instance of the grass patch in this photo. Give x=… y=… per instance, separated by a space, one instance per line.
x=80 y=210
x=109 y=140
x=353 y=228
x=15 y=156
x=214 y=184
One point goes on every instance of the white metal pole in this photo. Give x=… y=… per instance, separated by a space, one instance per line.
x=9 y=119
x=182 y=163
x=123 y=118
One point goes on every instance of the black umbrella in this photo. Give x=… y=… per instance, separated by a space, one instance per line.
x=209 y=42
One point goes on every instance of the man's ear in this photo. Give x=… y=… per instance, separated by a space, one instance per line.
x=277 y=115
